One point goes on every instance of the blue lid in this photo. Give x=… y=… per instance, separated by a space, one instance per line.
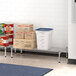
x=44 y=29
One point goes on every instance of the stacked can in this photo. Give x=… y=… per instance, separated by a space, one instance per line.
x=3 y=37
x=6 y=34
x=9 y=31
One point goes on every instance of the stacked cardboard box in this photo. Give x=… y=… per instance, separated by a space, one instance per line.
x=25 y=37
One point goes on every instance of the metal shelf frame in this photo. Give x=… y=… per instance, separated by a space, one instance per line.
x=36 y=50
x=53 y=50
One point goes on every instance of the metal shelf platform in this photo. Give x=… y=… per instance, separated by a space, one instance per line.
x=52 y=50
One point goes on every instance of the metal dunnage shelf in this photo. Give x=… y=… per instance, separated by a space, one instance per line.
x=52 y=50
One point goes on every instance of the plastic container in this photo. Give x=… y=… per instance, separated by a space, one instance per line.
x=44 y=38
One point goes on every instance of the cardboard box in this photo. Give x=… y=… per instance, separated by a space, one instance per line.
x=18 y=43
x=30 y=35
x=24 y=43
x=19 y=35
x=25 y=27
x=30 y=44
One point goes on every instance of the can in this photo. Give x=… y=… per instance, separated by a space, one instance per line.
x=10 y=39
x=4 y=40
x=1 y=28
x=9 y=28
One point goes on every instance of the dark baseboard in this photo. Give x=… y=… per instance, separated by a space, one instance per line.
x=38 y=53
x=71 y=61
x=44 y=53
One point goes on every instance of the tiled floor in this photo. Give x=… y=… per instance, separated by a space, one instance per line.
x=60 y=69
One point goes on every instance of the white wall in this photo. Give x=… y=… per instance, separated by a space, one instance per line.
x=42 y=13
x=71 y=31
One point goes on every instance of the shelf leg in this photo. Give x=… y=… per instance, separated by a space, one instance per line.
x=5 y=51
x=21 y=51
x=11 y=52
x=66 y=54
x=15 y=50
x=59 y=57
